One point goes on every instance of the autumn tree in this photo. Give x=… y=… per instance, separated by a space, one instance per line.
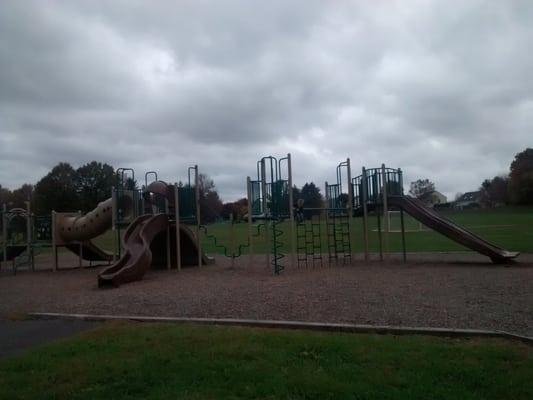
x=494 y=191
x=57 y=190
x=210 y=203
x=93 y=184
x=521 y=178
x=18 y=197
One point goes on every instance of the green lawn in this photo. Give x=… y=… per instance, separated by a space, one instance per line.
x=138 y=361
x=507 y=227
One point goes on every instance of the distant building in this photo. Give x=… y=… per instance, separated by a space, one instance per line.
x=431 y=199
x=468 y=200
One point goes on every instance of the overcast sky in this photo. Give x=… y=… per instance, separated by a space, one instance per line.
x=442 y=89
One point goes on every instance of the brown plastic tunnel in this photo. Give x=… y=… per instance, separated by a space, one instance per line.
x=92 y=224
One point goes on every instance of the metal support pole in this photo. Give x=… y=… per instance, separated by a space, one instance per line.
x=232 y=240
x=291 y=210
x=29 y=249
x=4 y=231
x=197 y=191
x=177 y=217
x=379 y=234
x=114 y=222
x=350 y=208
x=249 y=203
x=167 y=212
x=385 y=210
x=403 y=236
x=326 y=197
x=364 y=204
x=54 y=240
x=80 y=253
x=264 y=201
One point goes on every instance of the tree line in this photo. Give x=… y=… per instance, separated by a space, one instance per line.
x=64 y=189
x=69 y=189
x=514 y=188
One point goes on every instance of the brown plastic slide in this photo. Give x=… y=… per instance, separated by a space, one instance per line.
x=437 y=222
x=145 y=244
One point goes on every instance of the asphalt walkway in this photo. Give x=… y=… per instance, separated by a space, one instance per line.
x=16 y=336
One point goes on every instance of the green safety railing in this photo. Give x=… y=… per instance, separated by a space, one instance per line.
x=374 y=179
x=224 y=248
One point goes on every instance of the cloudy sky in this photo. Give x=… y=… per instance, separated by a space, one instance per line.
x=442 y=89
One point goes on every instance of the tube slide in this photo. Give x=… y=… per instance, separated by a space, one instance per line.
x=437 y=222
x=71 y=230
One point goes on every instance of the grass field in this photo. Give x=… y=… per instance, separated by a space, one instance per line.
x=507 y=227
x=137 y=361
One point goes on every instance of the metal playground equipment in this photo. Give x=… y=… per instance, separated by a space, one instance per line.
x=160 y=224
x=270 y=200
x=24 y=235
x=312 y=233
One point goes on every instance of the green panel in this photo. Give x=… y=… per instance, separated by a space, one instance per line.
x=187 y=202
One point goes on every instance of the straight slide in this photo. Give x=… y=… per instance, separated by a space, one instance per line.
x=444 y=226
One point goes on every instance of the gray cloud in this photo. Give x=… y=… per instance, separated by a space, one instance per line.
x=442 y=90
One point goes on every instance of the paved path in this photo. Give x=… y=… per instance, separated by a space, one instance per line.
x=16 y=336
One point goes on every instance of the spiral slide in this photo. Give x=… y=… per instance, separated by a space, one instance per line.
x=437 y=222
x=145 y=245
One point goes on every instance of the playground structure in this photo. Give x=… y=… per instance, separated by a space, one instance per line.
x=377 y=192
x=155 y=216
x=270 y=200
x=159 y=225
x=157 y=235
x=24 y=235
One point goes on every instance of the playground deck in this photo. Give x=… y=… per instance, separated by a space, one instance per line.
x=432 y=290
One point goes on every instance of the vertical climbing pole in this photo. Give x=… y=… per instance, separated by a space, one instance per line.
x=250 y=211
x=197 y=195
x=291 y=209
x=350 y=208
x=80 y=244
x=113 y=222
x=29 y=247
x=167 y=212
x=364 y=204
x=4 y=231
x=265 y=212
x=177 y=218
x=400 y=184
x=54 y=239
x=385 y=211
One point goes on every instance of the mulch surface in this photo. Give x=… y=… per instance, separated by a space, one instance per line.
x=431 y=290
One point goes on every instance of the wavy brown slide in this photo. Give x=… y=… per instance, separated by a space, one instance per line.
x=437 y=222
x=143 y=236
